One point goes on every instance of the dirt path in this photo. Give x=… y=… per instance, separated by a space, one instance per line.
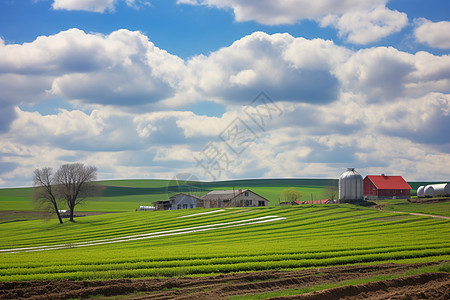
x=417 y=214
x=380 y=207
x=423 y=286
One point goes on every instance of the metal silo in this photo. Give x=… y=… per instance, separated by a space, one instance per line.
x=421 y=191
x=351 y=186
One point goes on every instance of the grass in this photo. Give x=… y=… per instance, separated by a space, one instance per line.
x=128 y=195
x=439 y=208
x=310 y=236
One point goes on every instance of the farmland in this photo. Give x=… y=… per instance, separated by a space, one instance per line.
x=209 y=242
x=301 y=237
x=127 y=195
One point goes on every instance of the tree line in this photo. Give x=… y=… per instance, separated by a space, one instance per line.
x=69 y=185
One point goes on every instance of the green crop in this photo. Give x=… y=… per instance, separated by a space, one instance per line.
x=308 y=237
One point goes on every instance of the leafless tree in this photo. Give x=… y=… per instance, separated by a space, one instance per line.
x=44 y=193
x=74 y=183
x=332 y=192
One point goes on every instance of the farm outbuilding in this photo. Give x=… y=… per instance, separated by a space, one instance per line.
x=386 y=187
x=232 y=198
x=178 y=201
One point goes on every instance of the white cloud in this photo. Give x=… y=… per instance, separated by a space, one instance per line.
x=434 y=34
x=98 y=6
x=285 y=12
x=359 y=22
x=431 y=115
x=364 y=27
x=293 y=69
x=340 y=107
x=123 y=68
x=384 y=74
x=33 y=124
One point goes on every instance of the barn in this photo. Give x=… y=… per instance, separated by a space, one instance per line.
x=386 y=187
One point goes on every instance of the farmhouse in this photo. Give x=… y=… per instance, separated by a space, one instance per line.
x=385 y=187
x=230 y=198
x=178 y=201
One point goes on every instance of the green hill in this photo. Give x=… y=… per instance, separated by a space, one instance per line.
x=127 y=195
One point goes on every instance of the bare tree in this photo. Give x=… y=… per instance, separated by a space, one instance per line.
x=332 y=192
x=74 y=183
x=290 y=195
x=44 y=193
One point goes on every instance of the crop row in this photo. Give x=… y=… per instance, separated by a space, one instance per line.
x=99 y=265
x=308 y=237
x=309 y=220
x=112 y=271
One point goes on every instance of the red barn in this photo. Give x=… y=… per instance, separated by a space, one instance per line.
x=385 y=187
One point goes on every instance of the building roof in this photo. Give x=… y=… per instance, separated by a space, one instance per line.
x=222 y=195
x=384 y=182
x=321 y=201
x=226 y=195
x=171 y=198
x=185 y=194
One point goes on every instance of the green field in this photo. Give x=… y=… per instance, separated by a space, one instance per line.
x=142 y=244
x=128 y=195
x=437 y=208
x=133 y=244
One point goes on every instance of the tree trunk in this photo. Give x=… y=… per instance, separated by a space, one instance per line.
x=71 y=215
x=58 y=214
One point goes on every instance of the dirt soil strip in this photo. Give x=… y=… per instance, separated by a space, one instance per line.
x=423 y=286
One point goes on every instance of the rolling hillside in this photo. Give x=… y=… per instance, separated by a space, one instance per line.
x=127 y=195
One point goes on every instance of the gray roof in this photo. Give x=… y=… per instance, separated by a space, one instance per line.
x=222 y=195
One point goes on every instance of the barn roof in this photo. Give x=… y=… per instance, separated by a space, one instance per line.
x=226 y=194
x=384 y=182
x=222 y=195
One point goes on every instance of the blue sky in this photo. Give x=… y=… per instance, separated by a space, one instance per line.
x=152 y=89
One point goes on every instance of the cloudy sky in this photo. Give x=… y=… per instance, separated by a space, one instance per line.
x=225 y=89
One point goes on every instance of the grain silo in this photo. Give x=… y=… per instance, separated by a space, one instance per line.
x=421 y=191
x=351 y=186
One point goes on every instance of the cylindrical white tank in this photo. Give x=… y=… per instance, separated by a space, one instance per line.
x=421 y=191
x=442 y=189
x=429 y=191
x=351 y=186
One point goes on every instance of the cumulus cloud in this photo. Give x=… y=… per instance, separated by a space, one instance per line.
x=359 y=22
x=293 y=69
x=431 y=115
x=339 y=107
x=123 y=68
x=433 y=34
x=285 y=12
x=384 y=74
x=98 y=6
x=364 y=27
